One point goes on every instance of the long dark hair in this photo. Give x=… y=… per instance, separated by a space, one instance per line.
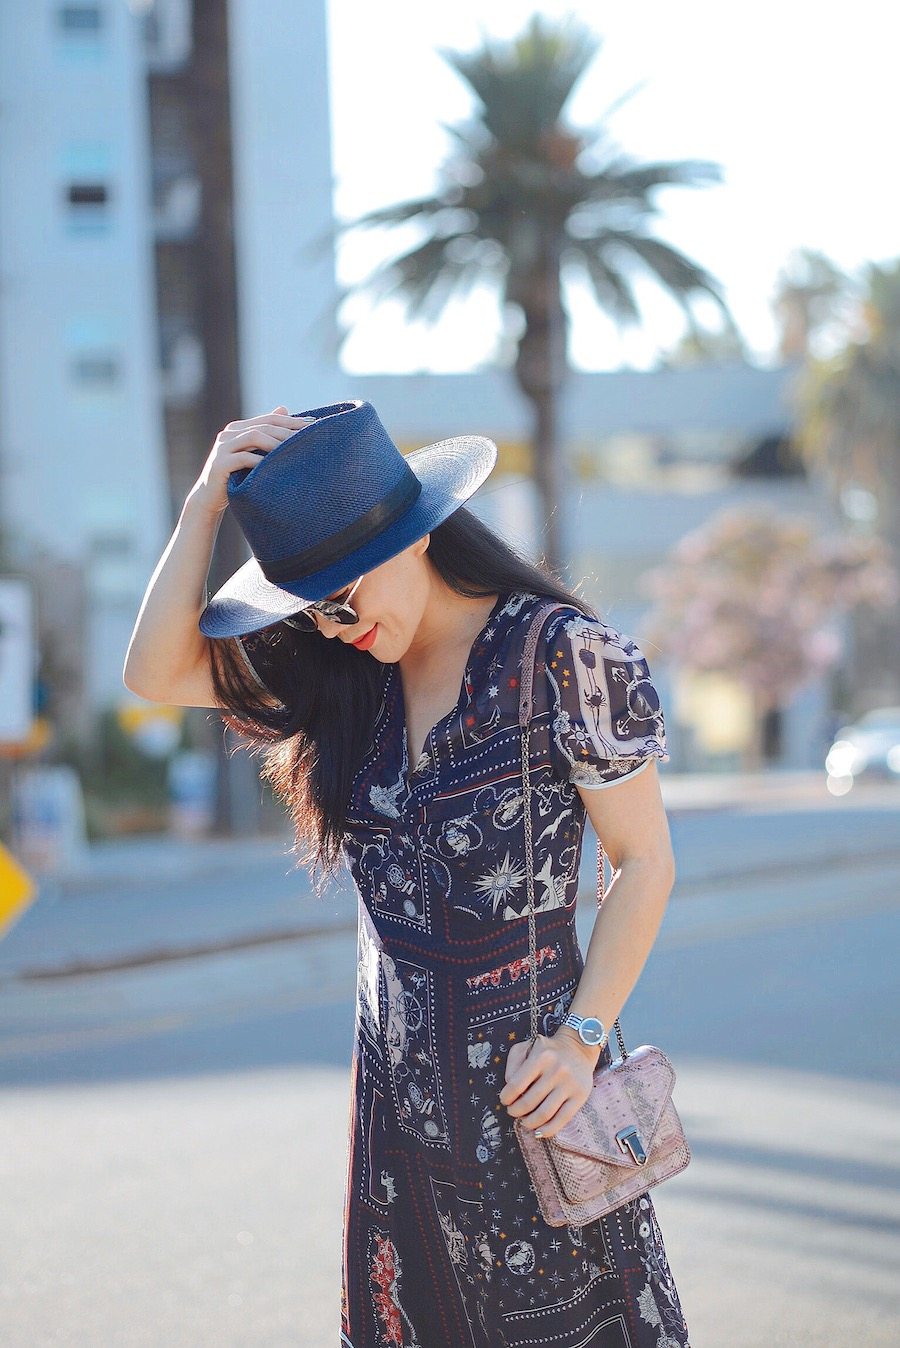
x=308 y=705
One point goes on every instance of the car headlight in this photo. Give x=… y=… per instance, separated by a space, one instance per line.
x=842 y=759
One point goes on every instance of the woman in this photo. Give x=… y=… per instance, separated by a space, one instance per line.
x=371 y=650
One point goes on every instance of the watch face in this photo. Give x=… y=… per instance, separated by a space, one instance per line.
x=591 y=1030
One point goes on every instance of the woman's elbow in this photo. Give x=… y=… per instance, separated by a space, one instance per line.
x=656 y=866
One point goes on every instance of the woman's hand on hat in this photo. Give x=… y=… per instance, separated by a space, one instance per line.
x=242 y=444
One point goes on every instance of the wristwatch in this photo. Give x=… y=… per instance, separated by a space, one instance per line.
x=591 y=1031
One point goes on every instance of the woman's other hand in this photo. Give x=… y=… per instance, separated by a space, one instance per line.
x=242 y=444
x=547 y=1086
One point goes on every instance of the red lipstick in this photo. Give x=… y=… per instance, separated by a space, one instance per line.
x=365 y=642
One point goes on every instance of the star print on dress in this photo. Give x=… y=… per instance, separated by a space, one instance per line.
x=498 y=885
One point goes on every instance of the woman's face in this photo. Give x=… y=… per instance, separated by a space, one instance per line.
x=391 y=599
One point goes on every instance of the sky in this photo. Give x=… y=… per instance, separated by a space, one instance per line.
x=793 y=100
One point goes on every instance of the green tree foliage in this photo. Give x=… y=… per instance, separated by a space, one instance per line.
x=849 y=408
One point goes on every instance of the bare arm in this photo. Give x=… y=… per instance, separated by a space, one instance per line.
x=168 y=656
x=547 y=1085
x=631 y=819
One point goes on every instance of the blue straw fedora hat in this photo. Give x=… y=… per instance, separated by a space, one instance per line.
x=329 y=503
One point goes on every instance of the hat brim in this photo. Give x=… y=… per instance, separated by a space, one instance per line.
x=450 y=472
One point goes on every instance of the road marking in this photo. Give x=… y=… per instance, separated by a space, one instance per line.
x=789 y=915
x=123 y=1031
x=755 y=917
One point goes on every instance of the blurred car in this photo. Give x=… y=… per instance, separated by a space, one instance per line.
x=869 y=747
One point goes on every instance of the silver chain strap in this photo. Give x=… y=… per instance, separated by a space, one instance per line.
x=525 y=705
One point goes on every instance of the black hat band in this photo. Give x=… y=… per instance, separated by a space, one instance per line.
x=332 y=549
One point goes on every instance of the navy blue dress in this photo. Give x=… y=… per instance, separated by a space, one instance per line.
x=443 y=1242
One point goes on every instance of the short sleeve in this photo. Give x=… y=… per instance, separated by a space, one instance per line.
x=606 y=721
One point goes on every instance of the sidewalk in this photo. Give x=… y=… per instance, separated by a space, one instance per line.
x=146 y=859
x=157 y=858
x=151 y=859
x=147 y=899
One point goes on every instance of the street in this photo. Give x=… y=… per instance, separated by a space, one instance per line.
x=173 y=1134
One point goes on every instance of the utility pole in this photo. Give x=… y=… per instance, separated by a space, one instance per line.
x=215 y=269
x=190 y=118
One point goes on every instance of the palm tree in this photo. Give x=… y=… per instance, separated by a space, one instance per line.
x=525 y=198
x=810 y=290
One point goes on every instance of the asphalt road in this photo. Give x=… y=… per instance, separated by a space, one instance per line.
x=173 y=1135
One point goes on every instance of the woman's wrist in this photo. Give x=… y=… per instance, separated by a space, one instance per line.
x=591 y=1051
x=198 y=501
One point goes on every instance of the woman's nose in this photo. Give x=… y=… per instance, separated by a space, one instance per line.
x=329 y=627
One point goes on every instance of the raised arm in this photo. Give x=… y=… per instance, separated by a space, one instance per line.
x=168 y=656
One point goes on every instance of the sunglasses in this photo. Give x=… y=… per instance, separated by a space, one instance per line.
x=338 y=609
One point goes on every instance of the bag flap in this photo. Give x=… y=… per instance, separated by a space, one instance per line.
x=629 y=1094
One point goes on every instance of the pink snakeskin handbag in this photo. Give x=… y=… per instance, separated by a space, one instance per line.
x=627 y=1136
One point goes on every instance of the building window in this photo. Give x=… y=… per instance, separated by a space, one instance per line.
x=83 y=33
x=151 y=30
x=166 y=32
x=88 y=207
x=87 y=176
x=93 y=347
x=95 y=370
x=87 y=194
x=110 y=545
x=84 y=20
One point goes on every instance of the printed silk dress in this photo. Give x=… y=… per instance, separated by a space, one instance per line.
x=444 y=1245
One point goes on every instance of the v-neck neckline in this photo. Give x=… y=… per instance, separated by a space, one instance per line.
x=411 y=769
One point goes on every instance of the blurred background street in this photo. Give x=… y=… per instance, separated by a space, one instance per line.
x=174 y=1129
x=653 y=255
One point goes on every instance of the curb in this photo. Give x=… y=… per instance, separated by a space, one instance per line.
x=214 y=856
x=248 y=941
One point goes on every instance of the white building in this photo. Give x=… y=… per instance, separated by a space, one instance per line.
x=81 y=432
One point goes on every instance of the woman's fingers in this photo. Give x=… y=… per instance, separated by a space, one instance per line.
x=531 y=1078
x=549 y=1107
x=243 y=444
x=522 y=1066
x=276 y=417
x=545 y=1087
x=262 y=435
x=544 y=1115
x=245 y=458
x=265 y=437
x=532 y=1097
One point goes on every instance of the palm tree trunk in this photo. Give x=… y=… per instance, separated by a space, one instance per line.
x=548 y=476
x=540 y=373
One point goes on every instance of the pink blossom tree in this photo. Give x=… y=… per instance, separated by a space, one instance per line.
x=757 y=596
